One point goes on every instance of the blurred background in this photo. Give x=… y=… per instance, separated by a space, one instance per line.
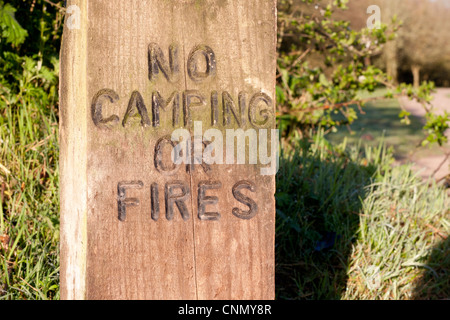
x=420 y=51
x=421 y=48
x=410 y=46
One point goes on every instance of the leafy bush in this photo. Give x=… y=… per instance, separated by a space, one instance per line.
x=323 y=66
x=29 y=152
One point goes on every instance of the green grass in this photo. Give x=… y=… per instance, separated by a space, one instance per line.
x=379 y=120
x=29 y=214
x=402 y=228
x=350 y=226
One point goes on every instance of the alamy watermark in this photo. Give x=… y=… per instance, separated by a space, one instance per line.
x=251 y=146
x=374 y=21
x=74 y=17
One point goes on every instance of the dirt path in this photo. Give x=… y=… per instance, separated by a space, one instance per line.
x=427 y=165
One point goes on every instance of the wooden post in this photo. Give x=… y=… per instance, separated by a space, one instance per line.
x=135 y=223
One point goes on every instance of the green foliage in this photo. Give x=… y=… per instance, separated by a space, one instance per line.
x=11 y=30
x=402 y=227
x=321 y=65
x=436 y=126
x=351 y=226
x=29 y=152
x=324 y=65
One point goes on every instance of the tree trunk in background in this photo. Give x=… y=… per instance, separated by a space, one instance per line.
x=389 y=9
x=415 y=69
x=391 y=60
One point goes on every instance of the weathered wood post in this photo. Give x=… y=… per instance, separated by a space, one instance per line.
x=149 y=211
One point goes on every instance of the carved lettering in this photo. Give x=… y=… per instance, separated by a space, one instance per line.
x=122 y=200
x=178 y=199
x=253 y=207
x=242 y=107
x=154 y=196
x=214 y=108
x=97 y=106
x=229 y=108
x=196 y=156
x=200 y=66
x=204 y=200
x=189 y=97
x=157 y=62
x=136 y=107
x=158 y=102
x=259 y=111
x=177 y=193
x=159 y=157
x=254 y=104
x=193 y=63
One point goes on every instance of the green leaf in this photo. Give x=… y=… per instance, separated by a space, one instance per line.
x=281 y=97
x=11 y=29
x=351 y=39
x=323 y=80
x=47 y=74
x=404 y=113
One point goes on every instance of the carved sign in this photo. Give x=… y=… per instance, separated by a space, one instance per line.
x=137 y=110
x=168 y=147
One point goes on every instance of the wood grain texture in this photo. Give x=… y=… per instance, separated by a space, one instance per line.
x=107 y=162
x=73 y=160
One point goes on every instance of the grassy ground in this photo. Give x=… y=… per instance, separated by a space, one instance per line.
x=380 y=120
x=350 y=226
x=29 y=152
x=29 y=211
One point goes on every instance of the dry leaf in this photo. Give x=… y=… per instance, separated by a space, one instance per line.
x=4 y=242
